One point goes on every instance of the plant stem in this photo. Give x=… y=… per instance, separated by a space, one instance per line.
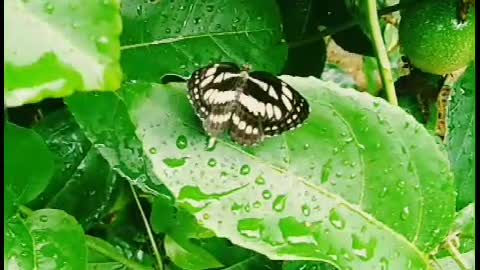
x=114 y=255
x=147 y=227
x=382 y=57
x=457 y=257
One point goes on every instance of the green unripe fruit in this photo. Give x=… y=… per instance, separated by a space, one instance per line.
x=433 y=38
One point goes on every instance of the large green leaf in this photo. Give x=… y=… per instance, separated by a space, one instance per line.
x=53 y=48
x=28 y=164
x=80 y=170
x=47 y=239
x=179 y=36
x=461 y=136
x=359 y=185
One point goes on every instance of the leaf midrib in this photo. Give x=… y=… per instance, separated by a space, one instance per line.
x=354 y=208
x=182 y=38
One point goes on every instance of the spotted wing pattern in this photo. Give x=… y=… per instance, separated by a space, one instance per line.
x=251 y=106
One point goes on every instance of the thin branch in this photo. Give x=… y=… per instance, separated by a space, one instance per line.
x=147 y=227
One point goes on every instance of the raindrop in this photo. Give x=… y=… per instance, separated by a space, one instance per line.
x=181 y=142
x=209 y=8
x=349 y=140
x=236 y=207
x=43 y=218
x=218 y=26
x=152 y=150
x=306 y=146
x=236 y=20
x=212 y=162
x=326 y=170
x=401 y=184
x=305 y=210
x=362 y=249
x=260 y=180
x=92 y=192
x=338 y=174
x=206 y=216
x=168 y=30
x=75 y=25
x=182 y=7
x=383 y=263
x=336 y=220
x=335 y=150
x=102 y=40
x=405 y=213
x=257 y=204
x=244 y=170
x=196 y=20
x=24 y=254
x=266 y=194
x=139 y=10
x=279 y=203
x=376 y=103
x=259 y=18
x=384 y=192
x=49 y=7
x=247 y=208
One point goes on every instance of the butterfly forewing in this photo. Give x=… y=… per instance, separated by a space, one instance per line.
x=251 y=105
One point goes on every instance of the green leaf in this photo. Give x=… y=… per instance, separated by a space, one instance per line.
x=306 y=265
x=18 y=250
x=47 y=239
x=381 y=186
x=162 y=217
x=178 y=37
x=80 y=170
x=188 y=255
x=103 y=256
x=28 y=163
x=463 y=230
x=256 y=262
x=114 y=137
x=74 y=46
x=461 y=136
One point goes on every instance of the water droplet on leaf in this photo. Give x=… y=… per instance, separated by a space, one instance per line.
x=279 y=203
x=181 y=142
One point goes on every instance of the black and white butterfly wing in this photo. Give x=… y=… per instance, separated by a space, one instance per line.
x=282 y=107
x=251 y=106
x=211 y=91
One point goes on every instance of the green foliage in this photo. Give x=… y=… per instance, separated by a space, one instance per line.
x=461 y=136
x=55 y=48
x=363 y=184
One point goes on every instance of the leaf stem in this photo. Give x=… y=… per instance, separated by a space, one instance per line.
x=382 y=57
x=457 y=257
x=147 y=227
x=90 y=241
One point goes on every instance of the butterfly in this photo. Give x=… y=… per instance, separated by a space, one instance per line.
x=249 y=105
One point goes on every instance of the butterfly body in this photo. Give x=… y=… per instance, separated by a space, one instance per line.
x=250 y=106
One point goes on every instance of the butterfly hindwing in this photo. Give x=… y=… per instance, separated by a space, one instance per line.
x=285 y=108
